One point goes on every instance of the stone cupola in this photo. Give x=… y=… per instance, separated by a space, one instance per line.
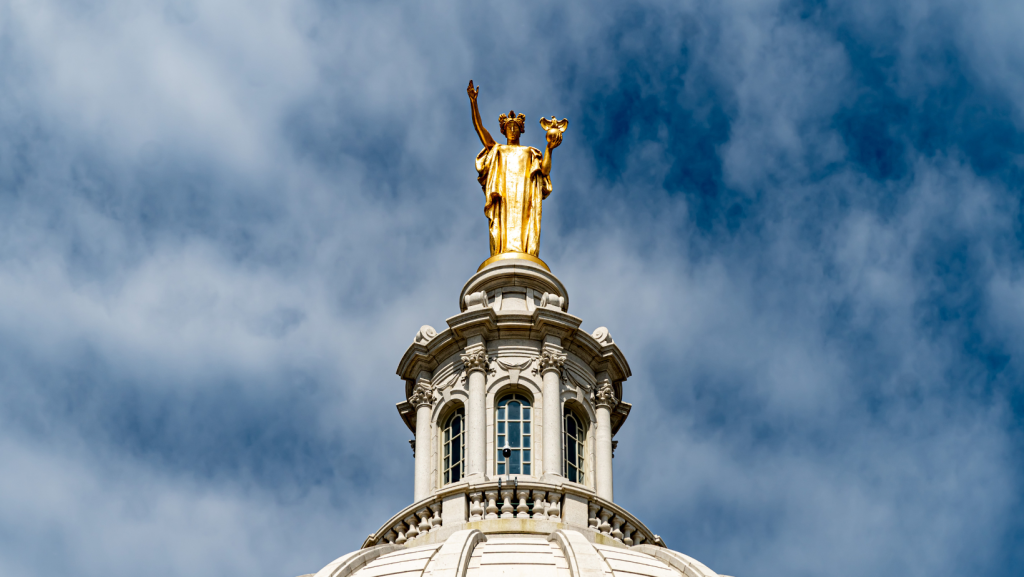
x=515 y=336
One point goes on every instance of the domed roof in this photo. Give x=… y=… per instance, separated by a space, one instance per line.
x=471 y=553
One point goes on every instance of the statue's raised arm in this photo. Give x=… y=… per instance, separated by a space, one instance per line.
x=485 y=137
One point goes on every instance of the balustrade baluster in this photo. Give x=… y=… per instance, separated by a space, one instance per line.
x=540 y=506
x=476 y=506
x=492 y=504
x=413 y=530
x=390 y=536
x=605 y=527
x=435 y=520
x=627 y=531
x=592 y=521
x=424 y=515
x=639 y=538
x=401 y=534
x=553 y=506
x=506 y=505
x=523 y=510
x=616 y=523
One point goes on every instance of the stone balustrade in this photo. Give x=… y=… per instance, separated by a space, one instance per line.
x=523 y=507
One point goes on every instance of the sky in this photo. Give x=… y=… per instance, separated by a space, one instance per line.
x=223 y=222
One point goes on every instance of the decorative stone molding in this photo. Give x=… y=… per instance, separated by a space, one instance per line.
x=606 y=395
x=422 y=395
x=514 y=370
x=425 y=335
x=549 y=361
x=602 y=336
x=475 y=361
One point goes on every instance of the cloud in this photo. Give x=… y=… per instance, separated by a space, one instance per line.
x=222 y=223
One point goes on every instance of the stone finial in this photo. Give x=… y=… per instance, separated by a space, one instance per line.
x=606 y=395
x=549 y=361
x=425 y=335
x=421 y=395
x=476 y=301
x=602 y=336
x=475 y=361
x=552 y=301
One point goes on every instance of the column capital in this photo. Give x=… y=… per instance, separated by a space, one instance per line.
x=549 y=360
x=475 y=361
x=606 y=395
x=422 y=395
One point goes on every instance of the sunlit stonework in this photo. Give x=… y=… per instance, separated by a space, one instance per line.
x=514 y=407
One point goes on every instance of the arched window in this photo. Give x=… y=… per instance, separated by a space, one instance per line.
x=514 y=429
x=454 y=464
x=573 y=437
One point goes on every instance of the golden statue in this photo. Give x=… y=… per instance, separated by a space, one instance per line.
x=515 y=180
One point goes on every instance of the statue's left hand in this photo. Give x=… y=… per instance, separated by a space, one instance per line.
x=554 y=137
x=554 y=128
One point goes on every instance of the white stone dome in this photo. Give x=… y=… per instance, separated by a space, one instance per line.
x=471 y=553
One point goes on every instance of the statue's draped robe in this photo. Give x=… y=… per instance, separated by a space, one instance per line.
x=514 y=186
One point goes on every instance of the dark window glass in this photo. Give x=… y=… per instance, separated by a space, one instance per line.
x=513 y=431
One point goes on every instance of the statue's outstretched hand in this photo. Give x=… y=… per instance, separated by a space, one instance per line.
x=554 y=129
x=554 y=138
x=473 y=92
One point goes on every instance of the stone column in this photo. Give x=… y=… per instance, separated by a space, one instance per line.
x=606 y=401
x=551 y=361
x=423 y=399
x=475 y=363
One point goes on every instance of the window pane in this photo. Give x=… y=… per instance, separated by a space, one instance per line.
x=501 y=468
x=501 y=428
x=526 y=402
x=456 y=452
x=456 y=474
x=501 y=414
x=526 y=413
x=501 y=443
x=513 y=411
x=526 y=427
x=526 y=469
x=526 y=441
x=570 y=426
x=456 y=425
x=526 y=455
x=514 y=465
x=571 y=452
x=513 y=435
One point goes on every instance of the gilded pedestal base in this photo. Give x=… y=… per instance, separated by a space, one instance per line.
x=513 y=256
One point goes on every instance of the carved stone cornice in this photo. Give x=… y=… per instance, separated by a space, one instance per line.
x=549 y=361
x=606 y=395
x=475 y=361
x=422 y=395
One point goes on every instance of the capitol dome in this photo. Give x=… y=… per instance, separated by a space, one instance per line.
x=514 y=409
